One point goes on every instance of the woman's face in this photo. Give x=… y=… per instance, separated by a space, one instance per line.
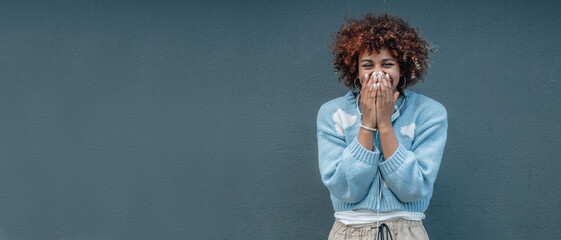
x=379 y=62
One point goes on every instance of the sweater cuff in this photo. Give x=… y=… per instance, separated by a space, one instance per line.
x=362 y=154
x=395 y=161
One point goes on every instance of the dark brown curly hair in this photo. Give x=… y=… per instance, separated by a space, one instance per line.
x=373 y=33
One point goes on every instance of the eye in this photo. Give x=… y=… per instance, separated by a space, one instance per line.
x=388 y=64
x=367 y=65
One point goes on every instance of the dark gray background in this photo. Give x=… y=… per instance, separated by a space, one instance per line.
x=176 y=120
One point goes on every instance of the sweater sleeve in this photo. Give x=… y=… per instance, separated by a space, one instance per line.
x=347 y=169
x=411 y=174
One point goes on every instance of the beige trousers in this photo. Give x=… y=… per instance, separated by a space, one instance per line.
x=400 y=228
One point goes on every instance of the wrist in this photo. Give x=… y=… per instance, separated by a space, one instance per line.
x=385 y=128
x=368 y=123
x=370 y=129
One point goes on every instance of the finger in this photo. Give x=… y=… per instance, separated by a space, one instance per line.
x=395 y=96
x=375 y=89
x=389 y=79
x=388 y=89
x=365 y=80
x=382 y=88
x=372 y=86
x=373 y=83
x=379 y=90
x=379 y=97
x=364 y=85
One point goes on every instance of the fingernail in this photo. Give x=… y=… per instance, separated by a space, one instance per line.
x=388 y=76
x=366 y=76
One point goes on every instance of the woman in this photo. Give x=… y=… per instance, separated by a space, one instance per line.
x=380 y=145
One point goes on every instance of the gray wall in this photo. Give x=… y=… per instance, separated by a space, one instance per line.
x=175 y=120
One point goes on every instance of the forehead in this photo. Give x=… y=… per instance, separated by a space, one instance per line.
x=382 y=53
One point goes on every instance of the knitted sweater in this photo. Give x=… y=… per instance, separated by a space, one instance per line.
x=350 y=171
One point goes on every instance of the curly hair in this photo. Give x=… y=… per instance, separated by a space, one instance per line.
x=373 y=33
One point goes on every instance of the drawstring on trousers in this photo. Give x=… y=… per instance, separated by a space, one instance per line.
x=383 y=228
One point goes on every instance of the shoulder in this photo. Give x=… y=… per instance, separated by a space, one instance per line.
x=338 y=114
x=343 y=103
x=426 y=107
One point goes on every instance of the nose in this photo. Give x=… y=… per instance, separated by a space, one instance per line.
x=378 y=72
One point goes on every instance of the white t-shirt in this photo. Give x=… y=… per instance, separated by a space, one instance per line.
x=365 y=216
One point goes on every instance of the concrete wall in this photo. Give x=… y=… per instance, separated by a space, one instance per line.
x=177 y=120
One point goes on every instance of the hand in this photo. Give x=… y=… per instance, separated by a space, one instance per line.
x=368 y=101
x=385 y=101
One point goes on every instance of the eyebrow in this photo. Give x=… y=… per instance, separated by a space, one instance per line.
x=384 y=60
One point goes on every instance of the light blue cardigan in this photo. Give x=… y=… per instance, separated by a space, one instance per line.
x=350 y=171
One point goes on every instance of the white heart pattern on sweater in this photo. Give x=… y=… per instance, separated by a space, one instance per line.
x=343 y=121
x=408 y=130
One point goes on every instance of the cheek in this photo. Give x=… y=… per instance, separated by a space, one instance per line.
x=395 y=79
x=361 y=73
